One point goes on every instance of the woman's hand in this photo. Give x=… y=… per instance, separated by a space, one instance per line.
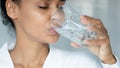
x=101 y=45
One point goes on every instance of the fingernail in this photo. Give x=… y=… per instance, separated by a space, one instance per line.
x=83 y=19
x=85 y=41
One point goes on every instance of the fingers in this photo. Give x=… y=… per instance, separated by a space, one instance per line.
x=97 y=26
x=97 y=42
x=101 y=32
x=94 y=25
x=86 y=20
x=75 y=45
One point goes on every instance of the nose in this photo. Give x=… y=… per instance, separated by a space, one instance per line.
x=58 y=14
x=57 y=9
x=58 y=17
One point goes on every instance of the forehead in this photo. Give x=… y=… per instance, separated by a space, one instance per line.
x=51 y=0
x=32 y=1
x=41 y=0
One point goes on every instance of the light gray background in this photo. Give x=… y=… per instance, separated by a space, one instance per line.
x=107 y=10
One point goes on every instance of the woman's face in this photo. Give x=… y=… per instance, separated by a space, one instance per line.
x=33 y=19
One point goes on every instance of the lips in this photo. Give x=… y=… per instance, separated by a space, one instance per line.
x=53 y=32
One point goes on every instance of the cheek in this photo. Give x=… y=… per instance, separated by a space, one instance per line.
x=36 y=25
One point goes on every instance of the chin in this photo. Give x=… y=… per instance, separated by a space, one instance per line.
x=53 y=40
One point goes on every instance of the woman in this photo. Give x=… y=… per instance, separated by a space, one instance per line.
x=30 y=20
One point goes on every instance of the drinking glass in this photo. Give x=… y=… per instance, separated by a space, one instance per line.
x=66 y=21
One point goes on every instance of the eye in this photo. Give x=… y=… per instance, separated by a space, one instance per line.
x=43 y=7
x=61 y=7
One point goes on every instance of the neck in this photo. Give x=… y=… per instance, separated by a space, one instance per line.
x=29 y=52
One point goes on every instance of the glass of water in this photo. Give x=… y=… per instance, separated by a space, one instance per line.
x=66 y=21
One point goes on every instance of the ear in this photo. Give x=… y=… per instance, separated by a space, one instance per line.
x=11 y=9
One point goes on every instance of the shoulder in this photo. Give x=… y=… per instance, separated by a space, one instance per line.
x=5 y=59
x=76 y=58
x=3 y=49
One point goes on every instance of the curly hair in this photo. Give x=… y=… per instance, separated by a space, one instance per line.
x=5 y=18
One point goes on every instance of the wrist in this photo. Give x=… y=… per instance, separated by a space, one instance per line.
x=109 y=60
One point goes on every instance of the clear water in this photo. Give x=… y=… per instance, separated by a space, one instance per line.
x=76 y=33
x=70 y=26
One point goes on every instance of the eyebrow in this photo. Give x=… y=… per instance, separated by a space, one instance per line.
x=60 y=0
x=51 y=0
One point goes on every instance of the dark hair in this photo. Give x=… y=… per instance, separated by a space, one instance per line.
x=5 y=18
